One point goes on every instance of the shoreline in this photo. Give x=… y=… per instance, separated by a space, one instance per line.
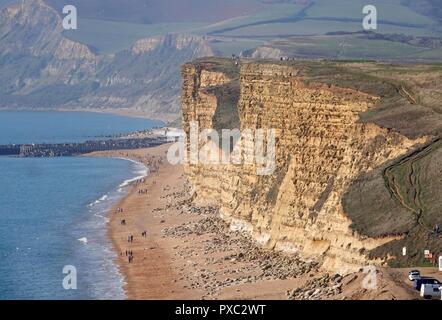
x=190 y=253
x=135 y=279
x=128 y=182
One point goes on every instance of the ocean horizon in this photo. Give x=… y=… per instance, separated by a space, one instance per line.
x=54 y=211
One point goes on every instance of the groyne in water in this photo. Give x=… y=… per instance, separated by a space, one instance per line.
x=73 y=149
x=8 y=150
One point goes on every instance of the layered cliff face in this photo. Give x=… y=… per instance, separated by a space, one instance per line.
x=321 y=147
x=146 y=78
x=33 y=52
x=41 y=69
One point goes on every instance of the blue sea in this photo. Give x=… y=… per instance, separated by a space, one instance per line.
x=59 y=127
x=53 y=211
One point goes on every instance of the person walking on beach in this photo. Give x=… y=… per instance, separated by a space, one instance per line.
x=130 y=257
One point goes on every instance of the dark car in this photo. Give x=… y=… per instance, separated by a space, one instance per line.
x=419 y=282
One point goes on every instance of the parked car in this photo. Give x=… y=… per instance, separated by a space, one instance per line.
x=430 y=290
x=414 y=275
x=419 y=282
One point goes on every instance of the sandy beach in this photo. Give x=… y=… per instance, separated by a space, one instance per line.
x=190 y=253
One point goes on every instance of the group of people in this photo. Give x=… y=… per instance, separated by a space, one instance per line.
x=130 y=239
x=130 y=256
x=153 y=163
x=129 y=253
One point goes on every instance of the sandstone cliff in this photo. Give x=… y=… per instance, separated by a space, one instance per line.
x=321 y=148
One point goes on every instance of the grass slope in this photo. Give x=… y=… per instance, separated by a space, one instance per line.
x=401 y=199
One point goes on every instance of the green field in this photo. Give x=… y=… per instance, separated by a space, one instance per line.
x=112 y=36
x=388 y=10
x=430 y=54
x=305 y=27
x=353 y=47
x=326 y=16
x=272 y=13
x=342 y=15
x=279 y=20
x=318 y=27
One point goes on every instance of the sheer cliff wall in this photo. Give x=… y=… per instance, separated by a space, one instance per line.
x=321 y=147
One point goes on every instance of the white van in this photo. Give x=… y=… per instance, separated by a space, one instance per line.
x=430 y=290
